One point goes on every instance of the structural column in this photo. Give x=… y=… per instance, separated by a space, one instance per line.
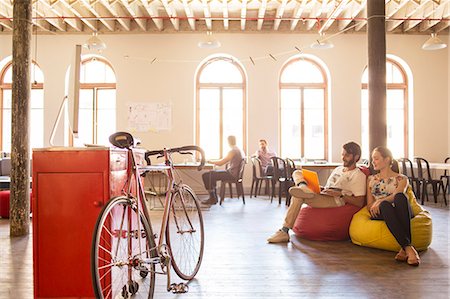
x=21 y=90
x=376 y=34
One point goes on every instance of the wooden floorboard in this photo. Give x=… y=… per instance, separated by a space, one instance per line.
x=238 y=263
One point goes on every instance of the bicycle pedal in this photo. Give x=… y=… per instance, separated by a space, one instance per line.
x=178 y=288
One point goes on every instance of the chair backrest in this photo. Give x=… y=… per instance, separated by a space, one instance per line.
x=241 y=170
x=257 y=168
x=421 y=162
x=279 y=168
x=407 y=167
x=447 y=160
x=290 y=167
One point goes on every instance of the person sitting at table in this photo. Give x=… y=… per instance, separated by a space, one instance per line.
x=346 y=184
x=210 y=178
x=386 y=200
x=264 y=154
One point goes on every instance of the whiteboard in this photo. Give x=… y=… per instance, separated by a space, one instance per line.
x=149 y=117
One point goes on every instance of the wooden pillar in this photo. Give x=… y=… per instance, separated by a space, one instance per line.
x=21 y=90
x=376 y=34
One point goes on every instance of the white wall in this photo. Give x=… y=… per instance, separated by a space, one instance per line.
x=171 y=79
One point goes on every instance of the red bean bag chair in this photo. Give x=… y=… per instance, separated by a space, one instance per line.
x=4 y=203
x=325 y=224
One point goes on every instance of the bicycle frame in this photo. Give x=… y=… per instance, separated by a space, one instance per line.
x=172 y=188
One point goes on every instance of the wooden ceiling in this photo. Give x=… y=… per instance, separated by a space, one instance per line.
x=271 y=16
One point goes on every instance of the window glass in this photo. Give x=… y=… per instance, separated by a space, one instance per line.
x=396 y=112
x=36 y=131
x=221 y=106
x=302 y=71
x=290 y=122
x=303 y=110
x=95 y=70
x=220 y=71
x=210 y=121
x=314 y=123
x=97 y=115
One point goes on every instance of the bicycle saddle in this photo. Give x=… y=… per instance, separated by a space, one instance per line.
x=122 y=140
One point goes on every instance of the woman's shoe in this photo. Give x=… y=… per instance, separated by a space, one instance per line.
x=401 y=256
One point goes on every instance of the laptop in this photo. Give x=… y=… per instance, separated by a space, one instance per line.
x=312 y=179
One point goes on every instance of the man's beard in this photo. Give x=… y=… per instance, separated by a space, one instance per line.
x=349 y=163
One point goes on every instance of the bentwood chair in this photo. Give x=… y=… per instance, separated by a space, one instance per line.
x=237 y=181
x=290 y=168
x=279 y=176
x=424 y=175
x=408 y=170
x=258 y=177
x=446 y=176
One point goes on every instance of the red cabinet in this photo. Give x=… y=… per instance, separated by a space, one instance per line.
x=70 y=187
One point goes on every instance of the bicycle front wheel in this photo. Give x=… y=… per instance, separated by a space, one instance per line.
x=185 y=234
x=122 y=250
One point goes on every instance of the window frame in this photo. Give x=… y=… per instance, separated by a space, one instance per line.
x=6 y=86
x=95 y=87
x=221 y=86
x=398 y=86
x=301 y=87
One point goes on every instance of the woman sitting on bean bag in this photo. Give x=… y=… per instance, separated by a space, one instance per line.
x=387 y=201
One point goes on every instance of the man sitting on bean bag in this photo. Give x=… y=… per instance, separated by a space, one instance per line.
x=346 y=185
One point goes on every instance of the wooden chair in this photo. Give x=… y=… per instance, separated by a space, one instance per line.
x=279 y=176
x=237 y=181
x=424 y=175
x=408 y=170
x=258 y=177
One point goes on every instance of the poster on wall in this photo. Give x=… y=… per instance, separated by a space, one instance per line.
x=149 y=117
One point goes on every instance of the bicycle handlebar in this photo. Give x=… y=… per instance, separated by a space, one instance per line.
x=181 y=150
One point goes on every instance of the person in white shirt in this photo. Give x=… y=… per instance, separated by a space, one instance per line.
x=346 y=185
x=264 y=154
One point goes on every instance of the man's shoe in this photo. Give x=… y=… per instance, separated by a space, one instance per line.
x=301 y=192
x=279 y=237
x=210 y=201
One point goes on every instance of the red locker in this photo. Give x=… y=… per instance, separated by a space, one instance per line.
x=70 y=186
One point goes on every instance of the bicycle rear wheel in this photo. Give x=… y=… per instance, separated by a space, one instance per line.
x=122 y=246
x=185 y=233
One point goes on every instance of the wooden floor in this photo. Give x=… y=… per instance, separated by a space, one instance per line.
x=238 y=262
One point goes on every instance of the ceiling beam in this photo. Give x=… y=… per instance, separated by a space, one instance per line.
x=172 y=13
x=316 y=11
x=207 y=14
x=226 y=22
x=333 y=15
x=261 y=14
x=243 y=14
x=115 y=10
x=135 y=13
x=279 y=14
x=88 y=23
x=81 y=5
x=189 y=14
x=153 y=13
x=298 y=10
x=351 y=13
x=406 y=10
x=439 y=12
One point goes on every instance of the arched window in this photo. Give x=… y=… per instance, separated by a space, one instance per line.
x=36 y=106
x=303 y=109
x=97 y=111
x=221 y=90
x=396 y=110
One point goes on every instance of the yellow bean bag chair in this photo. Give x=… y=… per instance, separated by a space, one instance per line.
x=375 y=233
